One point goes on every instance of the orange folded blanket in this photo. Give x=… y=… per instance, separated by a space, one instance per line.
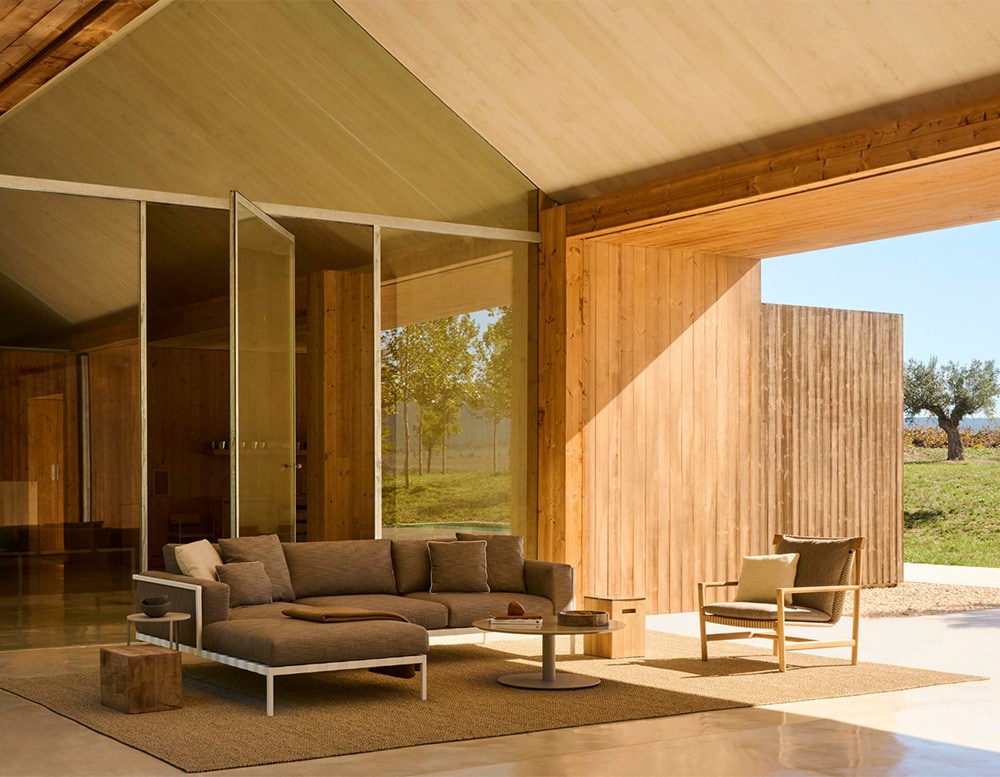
x=340 y=614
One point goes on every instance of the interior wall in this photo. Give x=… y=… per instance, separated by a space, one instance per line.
x=833 y=396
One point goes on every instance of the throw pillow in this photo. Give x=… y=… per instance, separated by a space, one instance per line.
x=411 y=563
x=458 y=567
x=761 y=575
x=265 y=548
x=248 y=583
x=504 y=560
x=197 y=559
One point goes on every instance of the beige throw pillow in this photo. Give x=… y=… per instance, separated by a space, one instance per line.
x=760 y=576
x=198 y=559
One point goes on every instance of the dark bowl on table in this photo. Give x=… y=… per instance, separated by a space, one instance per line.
x=155 y=606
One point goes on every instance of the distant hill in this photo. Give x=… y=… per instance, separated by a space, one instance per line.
x=972 y=423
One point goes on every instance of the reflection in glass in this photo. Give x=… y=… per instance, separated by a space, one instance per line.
x=263 y=365
x=70 y=444
x=454 y=385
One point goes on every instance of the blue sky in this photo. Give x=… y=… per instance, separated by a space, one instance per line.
x=946 y=284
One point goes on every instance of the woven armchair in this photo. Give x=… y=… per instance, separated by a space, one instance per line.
x=827 y=570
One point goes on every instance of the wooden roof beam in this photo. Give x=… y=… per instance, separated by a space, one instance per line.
x=913 y=142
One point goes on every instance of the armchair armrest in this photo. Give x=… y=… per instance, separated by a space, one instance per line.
x=703 y=586
x=816 y=589
x=550 y=579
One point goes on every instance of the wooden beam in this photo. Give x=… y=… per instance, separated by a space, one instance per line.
x=932 y=137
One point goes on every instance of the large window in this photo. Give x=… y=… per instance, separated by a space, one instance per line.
x=455 y=385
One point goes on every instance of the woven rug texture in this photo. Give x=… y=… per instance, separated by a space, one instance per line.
x=222 y=722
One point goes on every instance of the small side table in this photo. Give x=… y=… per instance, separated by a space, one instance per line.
x=629 y=643
x=170 y=617
x=140 y=678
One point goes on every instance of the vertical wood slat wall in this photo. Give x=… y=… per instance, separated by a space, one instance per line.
x=670 y=465
x=833 y=398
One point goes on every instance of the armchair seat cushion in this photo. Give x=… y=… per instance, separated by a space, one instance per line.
x=760 y=611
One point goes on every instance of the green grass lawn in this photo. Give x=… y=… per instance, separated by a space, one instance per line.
x=952 y=509
x=452 y=498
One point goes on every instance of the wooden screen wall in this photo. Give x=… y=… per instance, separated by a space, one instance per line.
x=833 y=461
x=671 y=437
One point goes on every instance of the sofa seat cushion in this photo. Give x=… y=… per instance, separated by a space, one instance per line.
x=465 y=608
x=430 y=615
x=292 y=642
x=764 y=612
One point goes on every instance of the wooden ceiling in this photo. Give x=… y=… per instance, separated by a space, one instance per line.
x=456 y=110
x=41 y=38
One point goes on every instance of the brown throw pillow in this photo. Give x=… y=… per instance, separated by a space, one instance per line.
x=411 y=563
x=248 y=583
x=504 y=560
x=458 y=567
x=265 y=548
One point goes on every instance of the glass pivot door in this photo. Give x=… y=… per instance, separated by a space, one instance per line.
x=262 y=372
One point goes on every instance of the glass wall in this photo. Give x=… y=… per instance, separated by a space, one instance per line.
x=70 y=415
x=457 y=431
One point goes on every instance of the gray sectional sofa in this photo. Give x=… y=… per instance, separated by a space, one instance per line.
x=386 y=598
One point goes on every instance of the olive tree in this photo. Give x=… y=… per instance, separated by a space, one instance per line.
x=950 y=392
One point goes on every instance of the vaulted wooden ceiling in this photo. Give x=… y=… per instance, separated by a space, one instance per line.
x=452 y=110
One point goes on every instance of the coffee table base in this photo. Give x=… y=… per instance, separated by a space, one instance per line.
x=562 y=681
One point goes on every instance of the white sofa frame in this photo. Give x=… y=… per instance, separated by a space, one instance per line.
x=270 y=672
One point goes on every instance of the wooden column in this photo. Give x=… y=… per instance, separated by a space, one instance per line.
x=340 y=458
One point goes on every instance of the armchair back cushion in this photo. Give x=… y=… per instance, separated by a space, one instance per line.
x=822 y=561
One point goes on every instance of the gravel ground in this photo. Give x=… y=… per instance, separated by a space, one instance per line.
x=909 y=599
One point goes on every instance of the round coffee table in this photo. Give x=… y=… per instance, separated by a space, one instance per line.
x=170 y=617
x=548 y=679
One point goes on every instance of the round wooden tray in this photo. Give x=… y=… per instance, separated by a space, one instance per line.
x=583 y=618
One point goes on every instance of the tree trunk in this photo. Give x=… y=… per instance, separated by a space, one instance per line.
x=495 y=445
x=956 y=451
x=406 y=444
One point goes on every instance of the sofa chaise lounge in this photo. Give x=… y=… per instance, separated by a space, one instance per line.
x=266 y=606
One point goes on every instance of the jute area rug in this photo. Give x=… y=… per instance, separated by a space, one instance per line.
x=222 y=722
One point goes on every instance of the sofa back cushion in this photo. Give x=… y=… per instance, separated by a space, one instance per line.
x=333 y=568
x=504 y=560
x=411 y=563
x=265 y=548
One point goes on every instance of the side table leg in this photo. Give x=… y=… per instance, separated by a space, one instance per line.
x=548 y=657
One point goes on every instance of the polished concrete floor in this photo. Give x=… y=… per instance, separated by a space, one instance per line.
x=944 y=730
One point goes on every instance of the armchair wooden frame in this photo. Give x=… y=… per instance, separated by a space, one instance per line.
x=776 y=629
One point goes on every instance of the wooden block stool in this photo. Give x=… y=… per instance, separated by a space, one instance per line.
x=140 y=678
x=629 y=642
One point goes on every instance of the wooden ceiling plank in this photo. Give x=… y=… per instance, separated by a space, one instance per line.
x=60 y=38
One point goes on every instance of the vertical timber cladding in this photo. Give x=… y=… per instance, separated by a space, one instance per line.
x=834 y=410
x=669 y=367
x=340 y=354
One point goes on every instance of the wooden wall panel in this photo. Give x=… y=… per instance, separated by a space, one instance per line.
x=341 y=432
x=188 y=408
x=833 y=457
x=670 y=455
x=114 y=436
